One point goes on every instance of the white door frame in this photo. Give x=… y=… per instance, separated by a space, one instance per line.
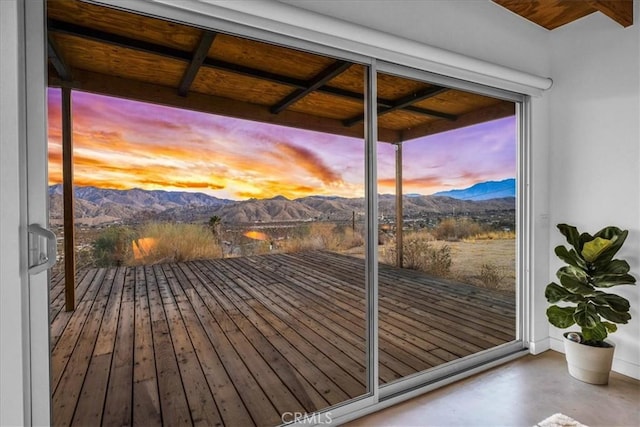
x=24 y=326
x=37 y=206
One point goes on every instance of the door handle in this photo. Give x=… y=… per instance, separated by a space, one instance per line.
x=39 y=259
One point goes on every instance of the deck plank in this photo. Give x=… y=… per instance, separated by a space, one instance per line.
x=240 y=341
x=60 y=322
x=308 y=398
x=66 y=395
x=391 y=346
x=327 y=320
x=278 y=392
x=254 y=397
x=146 y=400
x=228 y=400
x=173 y=402
x=293 y=367
x=345 y=353
x=118 y=401
x=89 y=409
x=199 y=398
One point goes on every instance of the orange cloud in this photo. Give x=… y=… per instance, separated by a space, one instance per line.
x=83 y=182
x=421 y=185
x=307 y=160
x=180 y=184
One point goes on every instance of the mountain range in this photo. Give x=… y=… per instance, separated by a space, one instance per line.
x=95 y=206
x=484 y=191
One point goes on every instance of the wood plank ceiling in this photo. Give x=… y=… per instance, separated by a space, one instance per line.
x=552 y=14
x=113 y=52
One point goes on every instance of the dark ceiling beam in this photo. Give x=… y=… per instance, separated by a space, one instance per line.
x=62 y=27
x=431 y=113
x=169 y=52
x=314 y=84
x=492 y=112
x=406 y=103
x=56 y=60
x=164 y=95
x=196 y=62
x=177 y=54
x=620 y=11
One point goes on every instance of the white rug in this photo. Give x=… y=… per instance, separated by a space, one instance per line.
x=559 y=420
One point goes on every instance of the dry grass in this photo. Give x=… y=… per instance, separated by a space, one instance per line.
x=491 y=235
x=485 y=260
x=485 y=263
x=418 y=253
x=168 y=242
x=489 y=263
x=324 y=236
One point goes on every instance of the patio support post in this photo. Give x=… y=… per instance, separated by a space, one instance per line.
x=399 y=207
x=68 y=202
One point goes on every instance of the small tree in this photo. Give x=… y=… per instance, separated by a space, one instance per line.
x=214 y=225
x=590 y=268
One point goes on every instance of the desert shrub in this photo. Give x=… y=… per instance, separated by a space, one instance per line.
x=351 y=239
x=418 y=253
x=491 y=275
x=492 y=235
x=170 y=242
x=113 y=246
x=254 y=248
x=453 y=229
x=323 y=235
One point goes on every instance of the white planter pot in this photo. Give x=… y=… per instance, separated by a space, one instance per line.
x=589 y=364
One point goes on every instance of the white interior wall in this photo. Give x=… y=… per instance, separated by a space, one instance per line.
x=478 y=29
x=595 y=149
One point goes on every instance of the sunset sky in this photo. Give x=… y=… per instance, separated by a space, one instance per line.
x=125 y=144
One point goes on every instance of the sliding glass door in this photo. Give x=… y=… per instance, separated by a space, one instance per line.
x=447 y=184
x=216 y=258
x=259 y=230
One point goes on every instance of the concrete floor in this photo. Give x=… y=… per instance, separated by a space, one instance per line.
x=520 y=393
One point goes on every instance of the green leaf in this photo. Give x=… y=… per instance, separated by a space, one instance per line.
x=586 y=316
x=561 y=317
x=571 y=257
x=611 y=327
x=616 y=266
x=609 y=280
x=616 y=302
x=574 y=272
x=584 y=238
x=618 y=237
x=596 y=333
x=614 y=316
x=593 y=249
x=572 y=235
x=575 y=280
x=609 y=233
x=555 y=293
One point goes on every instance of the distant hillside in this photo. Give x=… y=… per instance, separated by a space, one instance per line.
x=484 y=191
x=94 y=206
x=99 y=205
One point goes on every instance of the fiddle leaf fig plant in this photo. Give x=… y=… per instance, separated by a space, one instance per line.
x=590 y=268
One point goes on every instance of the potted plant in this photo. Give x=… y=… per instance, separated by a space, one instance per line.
x=590 y=268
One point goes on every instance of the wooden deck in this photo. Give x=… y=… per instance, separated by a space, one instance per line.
x=240 y=341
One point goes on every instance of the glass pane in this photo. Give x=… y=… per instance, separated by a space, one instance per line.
x=219 y=226
x=447 y=248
